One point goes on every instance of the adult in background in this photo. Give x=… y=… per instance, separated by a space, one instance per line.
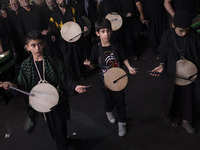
x=156 y=14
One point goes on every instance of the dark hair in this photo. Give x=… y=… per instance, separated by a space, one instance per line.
x=33 y=35
x=102 y=23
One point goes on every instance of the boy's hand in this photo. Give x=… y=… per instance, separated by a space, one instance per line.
x=87 y=62
x=157 y=71
x=5 y=85
x=132 y=70
x=80 y=88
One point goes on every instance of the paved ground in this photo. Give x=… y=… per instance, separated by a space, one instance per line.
x=89 y=129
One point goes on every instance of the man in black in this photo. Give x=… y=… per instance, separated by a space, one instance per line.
x=71 y=52
x=15 y=31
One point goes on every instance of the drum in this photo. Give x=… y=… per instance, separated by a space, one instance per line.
x=43 y=97
x=186 y=72
x=115 y=19
x=71 y=31
x=6 y=61
x=88 y=24
x=115 y=79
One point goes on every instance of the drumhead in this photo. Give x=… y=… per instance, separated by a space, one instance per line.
x=185 y=69
x=70 y=30
x=45 y=96
x=113 y=74
x=115 y=19
x=4 y=54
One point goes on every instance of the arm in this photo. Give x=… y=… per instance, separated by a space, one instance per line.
x=169 y=8
x=139 y=7
x=131 y=69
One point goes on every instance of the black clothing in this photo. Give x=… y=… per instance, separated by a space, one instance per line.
x=169 y=55
x=107 y=57
x=189 y=5
x=156 y=14
x=30 y=20
x=72 y=52
x=132 y=26
x=15 y=30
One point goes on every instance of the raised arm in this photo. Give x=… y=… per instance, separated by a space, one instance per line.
x=169 y=8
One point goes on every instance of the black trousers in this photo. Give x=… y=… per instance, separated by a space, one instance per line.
x=115 y=99
x=182 y=105
x=57 y=124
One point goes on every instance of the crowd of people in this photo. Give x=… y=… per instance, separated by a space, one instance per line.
x=30 y=35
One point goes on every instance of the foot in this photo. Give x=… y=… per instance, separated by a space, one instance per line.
x=122 y=128
x=110 y=117
x=188 y=127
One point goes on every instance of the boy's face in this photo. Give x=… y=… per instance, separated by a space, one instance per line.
x=104 y=34
x=35 y=47
x=181 y=31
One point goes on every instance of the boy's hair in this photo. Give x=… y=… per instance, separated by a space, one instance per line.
x=182 y=19
x=102 y=23
x=33 y=35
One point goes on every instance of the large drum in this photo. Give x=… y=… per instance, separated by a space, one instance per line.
x=115 y=79
x=43 y=97
x=115 y=19
x=71 y=31
x=6 y=61
x=186 y=72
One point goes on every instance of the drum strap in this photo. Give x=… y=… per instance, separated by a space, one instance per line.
x=179 y=49
x=41 y=81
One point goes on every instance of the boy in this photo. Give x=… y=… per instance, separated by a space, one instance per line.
x=109 y=55
x=39 y=67
x=181 y=41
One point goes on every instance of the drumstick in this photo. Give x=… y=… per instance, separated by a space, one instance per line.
x=180 y=77
x=136 y=69
x=79 y=34
x=21 y=91
x=113 y=19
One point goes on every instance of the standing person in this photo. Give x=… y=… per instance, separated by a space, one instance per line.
x=32 y=72
x=132 y=25
x=180 y=41
x=30 y=18
x=71 y=52
x=108 y=54
x=174 y=5
x=14 y=30
x=156 y=14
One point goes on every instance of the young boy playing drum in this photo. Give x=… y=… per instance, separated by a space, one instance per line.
x=40 y=68
x=107 y=55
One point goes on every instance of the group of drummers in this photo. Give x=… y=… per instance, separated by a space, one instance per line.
x=46 y=46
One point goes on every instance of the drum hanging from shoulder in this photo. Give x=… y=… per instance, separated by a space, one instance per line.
x=71 y=31
x=115 y=19
x=43 y=97
x=186 y=72
x=6 y=61
x=115 y=79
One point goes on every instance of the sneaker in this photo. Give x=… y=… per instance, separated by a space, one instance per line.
x=122 y=128
x=110 y=117
x=189 y=128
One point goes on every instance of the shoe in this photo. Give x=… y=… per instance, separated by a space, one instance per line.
x=189 y=128
x=110 y=117
x=122 y=128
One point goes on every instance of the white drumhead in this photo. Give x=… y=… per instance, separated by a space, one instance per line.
x=45 y=96
x=70 y=30
x=115 y=19
x=113 y=74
